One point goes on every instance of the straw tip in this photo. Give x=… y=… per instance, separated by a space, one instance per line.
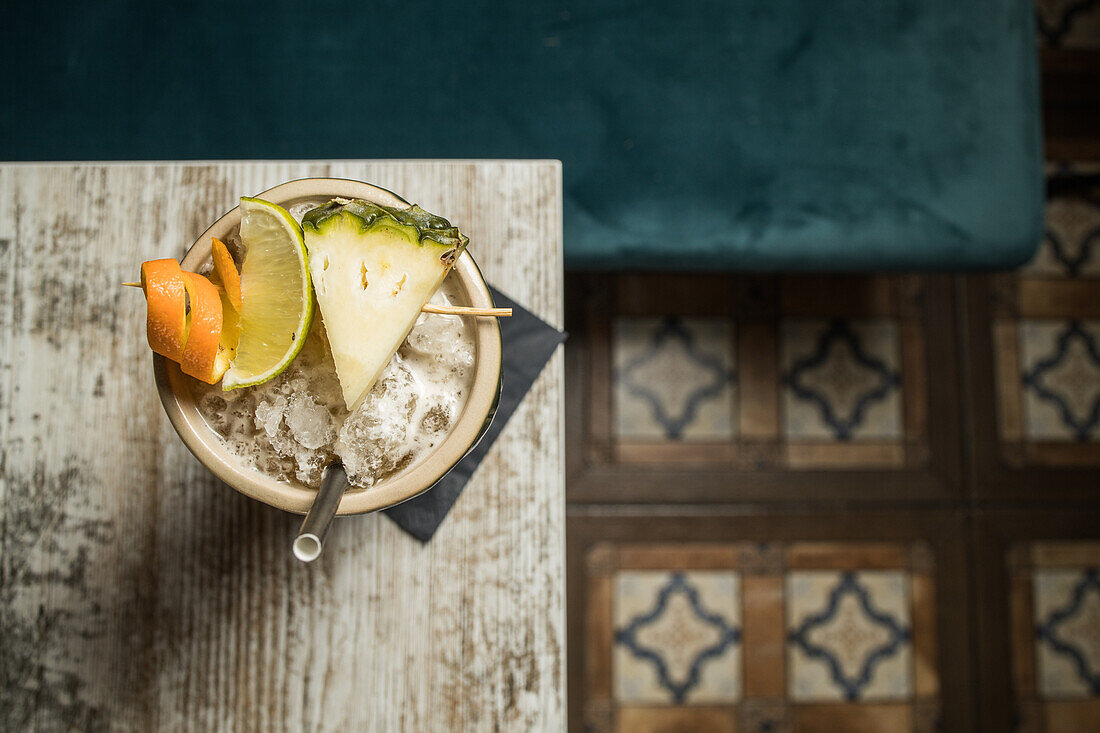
x=307 y=547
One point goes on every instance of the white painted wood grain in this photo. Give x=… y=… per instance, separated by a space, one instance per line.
x=139 y=593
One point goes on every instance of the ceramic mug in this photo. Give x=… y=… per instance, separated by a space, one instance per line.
x=471 y=424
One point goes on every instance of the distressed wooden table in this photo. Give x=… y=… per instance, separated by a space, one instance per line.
x=137 y=592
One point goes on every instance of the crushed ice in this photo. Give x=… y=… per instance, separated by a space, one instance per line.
x=292 y=426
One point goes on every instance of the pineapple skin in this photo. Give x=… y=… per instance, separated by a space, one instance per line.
x=373 y=268
x=429 y=227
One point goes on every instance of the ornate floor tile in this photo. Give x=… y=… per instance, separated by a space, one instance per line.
x=1067 y=630
x=1054 y=634
x=841 y=380
x=677 y=637
x=673 y=378
x=1071 y=241
x=849 y=635
x=760 y=636
x=1046 y=337
x=1068 y=23
x=759 y=375
x=1060 y=368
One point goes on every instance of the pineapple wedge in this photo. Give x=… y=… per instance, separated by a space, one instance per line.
x=373 y=269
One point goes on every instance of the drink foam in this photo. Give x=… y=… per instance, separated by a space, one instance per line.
x=292 y=426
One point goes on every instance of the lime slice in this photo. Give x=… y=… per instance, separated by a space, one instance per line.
x=277 y=306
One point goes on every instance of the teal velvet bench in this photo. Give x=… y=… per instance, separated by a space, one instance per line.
x=751 y=134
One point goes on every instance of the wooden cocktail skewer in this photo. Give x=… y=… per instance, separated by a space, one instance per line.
x=465 y=310
x=447 y=310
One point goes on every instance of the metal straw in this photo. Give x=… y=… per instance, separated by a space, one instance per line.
x=311 y=536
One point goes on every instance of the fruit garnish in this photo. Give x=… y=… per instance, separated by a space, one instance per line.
x=376 y=268
x=204 y=328
x=277 y=298
x=227 y=272
x=373 y=268
x=166 y=319
x=231 y=333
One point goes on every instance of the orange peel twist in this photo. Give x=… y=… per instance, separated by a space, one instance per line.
x=166 y=319
x=204 y=328
x=227 y=272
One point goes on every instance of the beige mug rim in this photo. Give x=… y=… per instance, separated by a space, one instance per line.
x=207 y=445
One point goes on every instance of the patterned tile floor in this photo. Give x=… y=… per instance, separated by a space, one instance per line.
x=1046 y=334
x=1055 y=605
x=674 y=379
x=762 y=637
x=817 y=391
x=841 y=380
x=1060 y=378
x=786 y=386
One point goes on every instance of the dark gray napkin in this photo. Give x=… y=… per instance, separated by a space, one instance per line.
x=528 y=343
